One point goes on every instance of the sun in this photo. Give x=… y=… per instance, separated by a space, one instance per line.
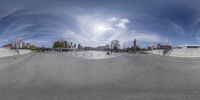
x=100 y=29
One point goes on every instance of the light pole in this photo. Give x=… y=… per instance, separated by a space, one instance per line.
x=17 y=44
x=124 y=47
x=111 y=48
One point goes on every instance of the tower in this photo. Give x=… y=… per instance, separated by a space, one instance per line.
x=134 y=43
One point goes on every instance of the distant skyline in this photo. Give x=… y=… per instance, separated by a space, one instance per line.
x=97 y=22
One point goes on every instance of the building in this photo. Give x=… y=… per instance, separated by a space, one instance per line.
x=103 y=48
x=74 y=45
x=71 y=45
x=20 y=45
x=8 y=46
x=59 y=44
x=134 y=44
x=89 y=48
x=28 y=46
x=80 y=46
x=65 y=45
x=152 y=47
x=165 y=47
x=159 y=46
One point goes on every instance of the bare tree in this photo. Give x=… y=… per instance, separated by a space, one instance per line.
x=115 y=45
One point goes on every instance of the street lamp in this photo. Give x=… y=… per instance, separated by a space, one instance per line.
x=17 y=44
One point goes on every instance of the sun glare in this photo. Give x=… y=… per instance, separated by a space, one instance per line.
x=100 y=29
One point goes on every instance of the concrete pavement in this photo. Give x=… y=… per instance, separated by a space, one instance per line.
x=47 y=76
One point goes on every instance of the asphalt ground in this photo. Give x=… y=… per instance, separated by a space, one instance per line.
x=51 y=76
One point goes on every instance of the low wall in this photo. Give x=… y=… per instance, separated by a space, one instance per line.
x=192 y=52
x=22 y=51
x=7 y=52
x=156 y=52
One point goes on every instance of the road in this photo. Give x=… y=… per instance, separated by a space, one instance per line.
x=47 y=76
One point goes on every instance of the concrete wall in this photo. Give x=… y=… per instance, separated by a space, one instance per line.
x=7 y=52
x=187 y=52
x=22 y=51
x=156 y=52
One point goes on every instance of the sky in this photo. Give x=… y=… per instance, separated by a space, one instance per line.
x=97 y=22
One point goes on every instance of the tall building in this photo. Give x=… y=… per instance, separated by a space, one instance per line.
x=134 y=44
x=71 y=45
x=80 y=46
x=66 y=44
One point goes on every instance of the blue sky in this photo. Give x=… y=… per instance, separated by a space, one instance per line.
x=97 y=22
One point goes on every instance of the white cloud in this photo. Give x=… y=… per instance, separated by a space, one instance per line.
x=94 y=28
x=113 y=19
x=122 y=23
x=98 y=31
x=101 y=31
